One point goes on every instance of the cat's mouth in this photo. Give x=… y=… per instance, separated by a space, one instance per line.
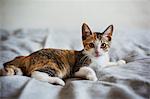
x=97 y=55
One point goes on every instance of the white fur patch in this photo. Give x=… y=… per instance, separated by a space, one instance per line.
x=19 y=71
x=100 y=61
x=86 y=72
x=46 y=78
x=121 y=62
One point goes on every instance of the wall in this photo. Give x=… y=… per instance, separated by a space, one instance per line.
x=70 y=14
x=1 y=14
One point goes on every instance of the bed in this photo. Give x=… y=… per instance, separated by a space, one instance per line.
x=128 y=81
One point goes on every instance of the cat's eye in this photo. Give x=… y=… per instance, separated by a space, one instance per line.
x=91 y=45
x=103 y=45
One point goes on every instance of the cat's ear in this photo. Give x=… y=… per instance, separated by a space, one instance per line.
x=85 y=31
x=108 y=32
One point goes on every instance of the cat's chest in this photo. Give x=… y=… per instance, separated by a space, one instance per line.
x=100 y=61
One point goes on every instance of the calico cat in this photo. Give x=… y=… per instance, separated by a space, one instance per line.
x=53 y=65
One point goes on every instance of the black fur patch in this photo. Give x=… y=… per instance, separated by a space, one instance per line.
x=50 y=72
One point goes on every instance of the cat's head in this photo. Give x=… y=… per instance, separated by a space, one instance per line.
x=96 y=43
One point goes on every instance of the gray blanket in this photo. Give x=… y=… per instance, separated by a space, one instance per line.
x=129 y=81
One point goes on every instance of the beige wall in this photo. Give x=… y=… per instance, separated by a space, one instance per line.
x=69 y=14
x=0 y=14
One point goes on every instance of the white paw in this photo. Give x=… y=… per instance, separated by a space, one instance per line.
x=56 y=80
x=121 y=62
x=18 y=71
x=91 y=77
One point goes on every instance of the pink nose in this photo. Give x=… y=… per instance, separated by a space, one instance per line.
x=96 y=52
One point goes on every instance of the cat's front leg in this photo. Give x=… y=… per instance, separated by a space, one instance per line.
x=87 y=73
x=120 y=62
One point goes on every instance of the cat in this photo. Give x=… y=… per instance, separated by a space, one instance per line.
x=54 y=65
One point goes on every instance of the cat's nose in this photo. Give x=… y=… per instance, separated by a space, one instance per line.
x=97 y=52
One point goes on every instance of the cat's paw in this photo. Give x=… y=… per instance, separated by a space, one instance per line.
x=121 y=62
x=91 y=77
x=56 y=80
x=61 y=82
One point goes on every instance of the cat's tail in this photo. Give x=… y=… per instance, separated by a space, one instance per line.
x=10 y=70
